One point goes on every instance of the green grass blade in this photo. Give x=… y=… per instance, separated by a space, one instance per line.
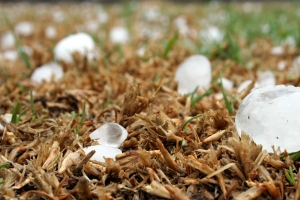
x=198 y=98
x=170 y=45
x=228 y=105
x=4 y=165
x=83 y=113
x=18 y=43
x=189 y=120
x=32 y=106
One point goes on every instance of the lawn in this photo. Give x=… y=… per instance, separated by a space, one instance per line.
x=179 y=146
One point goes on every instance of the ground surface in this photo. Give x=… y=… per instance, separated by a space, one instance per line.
x=166 y=155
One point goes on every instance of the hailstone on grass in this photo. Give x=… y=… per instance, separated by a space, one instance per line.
x=24 y=28
x=109 y=136
x=270 y=115
x=211 y=34
x=119 y=35
x=79 y=42
x=7 y=118
x=193 y=72
x=7 y=40
x=45 y=73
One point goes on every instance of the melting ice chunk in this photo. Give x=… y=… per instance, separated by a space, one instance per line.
x=24 y=28
x=7 y=117
x=119 y=34
x=110 y=134
x=102 y=151
x=45 y=73
x=194 y=72
x=270 y=115
x=80 y=42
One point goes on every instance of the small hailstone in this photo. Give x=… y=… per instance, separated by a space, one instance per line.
x=212 y=34
x=45 y=73
x=265 y=28
x=152 y=14
x=110 y=134
x=270 y=115
x=278 y=50
x=182 y=25
x=102 y=16
x=290 y=41
x=7 y=40
x=79 y=42
x=119 y=35
x=281 y=65
x=7 y=117
x=102 y=151
x=50 y=32
x=27 y=50
x=193 y=72
x=58 y=16
x=24 y=28
x=243 y=86
x=10 y=55
x=265 y=78
x=227 y=84
x=141 y=51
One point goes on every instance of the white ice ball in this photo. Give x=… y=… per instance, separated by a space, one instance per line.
x=270 y=115
x=193 y=72
x=79 y=42
x=102 y=151
x=7 y=40
x=24 y=28
x=45 y=73
x=110 y=134
x=119 y=35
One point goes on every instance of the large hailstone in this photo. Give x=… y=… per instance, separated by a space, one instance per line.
x=194 y=72
x=79 y=42
x=45 y=73
x=270 y=115
x=119 y=35
x=109 y=136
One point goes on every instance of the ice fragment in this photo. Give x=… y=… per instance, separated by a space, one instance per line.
x=270 y=115
x=194 y=72
x=110 y=134
x=45 y=73
x=102 y=151
x=119 y=35
x=80 y=42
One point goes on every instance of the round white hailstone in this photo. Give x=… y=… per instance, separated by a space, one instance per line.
x=119 y=35
x=194 y=72
x=110 y=134
x=141 y=51
x=270 y=115
x=91 y=25
x=7 y=117
x=80 y=42
x=10 y=55
x=152 y=14
x=24 y=28
x=227 y=84
x=265 y=28
x=50 y=32
x=296 y=65
x=182 y=25
x=290 y=41
x=278 y=50
x=281 y=65
x=7 y=40
x=45 y=73
x=58 y=16
x=265 y=78
x=102 y=151
x=244 y=85
x=212 y=34
x=102 y=16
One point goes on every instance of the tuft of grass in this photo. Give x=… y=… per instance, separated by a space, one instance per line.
x=18 y=43
x=189 y=120
x=33 y=113
x=196 y=99
x=17 y=113
x=289 y=175
x=4 y=165
x=170 y=44
x=228 y=105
